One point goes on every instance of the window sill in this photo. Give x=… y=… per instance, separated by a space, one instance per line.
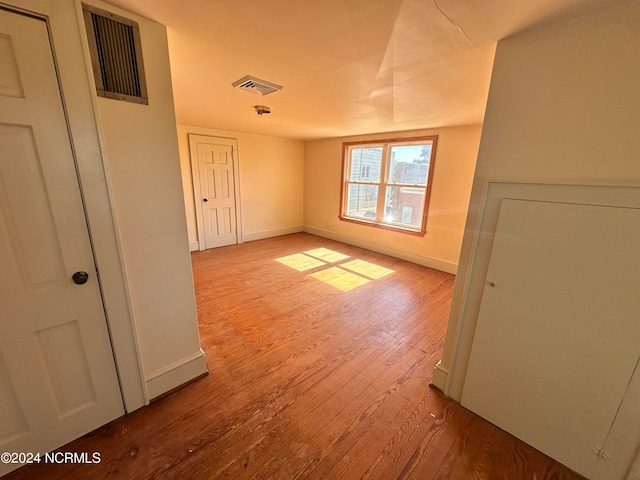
x=384 y=226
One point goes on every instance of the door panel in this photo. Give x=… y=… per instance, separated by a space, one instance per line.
x=10 y=85
x=57 y=373
x=25 y=208
x=215 y=159
x=556 y=342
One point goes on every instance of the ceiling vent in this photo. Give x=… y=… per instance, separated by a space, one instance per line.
x=255 y=85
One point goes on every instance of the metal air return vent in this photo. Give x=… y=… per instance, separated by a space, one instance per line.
x=116 y=55
x=255 y=85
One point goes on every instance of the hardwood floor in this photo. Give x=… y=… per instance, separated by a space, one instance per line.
x=309 y=382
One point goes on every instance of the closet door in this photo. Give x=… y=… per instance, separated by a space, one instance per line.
x=58 y=378
x=558 y=337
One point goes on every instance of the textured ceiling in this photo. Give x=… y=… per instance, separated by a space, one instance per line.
x=347 y=66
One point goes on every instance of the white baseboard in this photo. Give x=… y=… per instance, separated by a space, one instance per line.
x=436 y=264
x=194 y=247
x=249 y=237
x=440 y=376
x=176 y=374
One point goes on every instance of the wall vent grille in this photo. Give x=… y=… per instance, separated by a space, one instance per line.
x=255 y=85
x=116 y=55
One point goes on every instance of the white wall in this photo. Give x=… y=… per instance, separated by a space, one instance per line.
x=141 y=149
x=564 y=106
x=271 y=183
x=439 y=248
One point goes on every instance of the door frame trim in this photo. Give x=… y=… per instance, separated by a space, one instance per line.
x=197 y=188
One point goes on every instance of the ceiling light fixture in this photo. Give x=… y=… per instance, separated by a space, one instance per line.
x=262 y=109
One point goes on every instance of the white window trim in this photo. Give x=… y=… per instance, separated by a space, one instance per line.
x=383 y=183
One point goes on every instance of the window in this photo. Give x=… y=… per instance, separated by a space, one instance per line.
x=387 y=183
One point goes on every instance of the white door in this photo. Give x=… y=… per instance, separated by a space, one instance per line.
x=215 y=190
x=557 y=337
x=57 y=372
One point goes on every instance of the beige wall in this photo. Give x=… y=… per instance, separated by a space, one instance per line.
x=271 y=183
x=141 y=149
x=564 y=106
x=440 y=247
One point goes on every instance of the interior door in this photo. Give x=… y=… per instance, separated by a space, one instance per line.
x=215 y=158
x=556 y=341
x=57 y=374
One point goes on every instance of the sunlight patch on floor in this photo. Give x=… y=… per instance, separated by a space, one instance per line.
x=300 y=262
x=367 y=269
x=357 y=273
x=340 y=279
x=327 y=255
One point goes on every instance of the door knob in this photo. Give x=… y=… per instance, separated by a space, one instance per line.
x=80 y=278
x=205 y=199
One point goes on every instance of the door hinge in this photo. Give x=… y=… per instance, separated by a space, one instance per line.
x=599 y=452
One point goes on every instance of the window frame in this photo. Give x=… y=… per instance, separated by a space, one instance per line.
x=384 y=182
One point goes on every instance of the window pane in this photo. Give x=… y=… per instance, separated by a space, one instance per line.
x=362 y=201
x=366 y=164
x=404 y=205
x=410 y=164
